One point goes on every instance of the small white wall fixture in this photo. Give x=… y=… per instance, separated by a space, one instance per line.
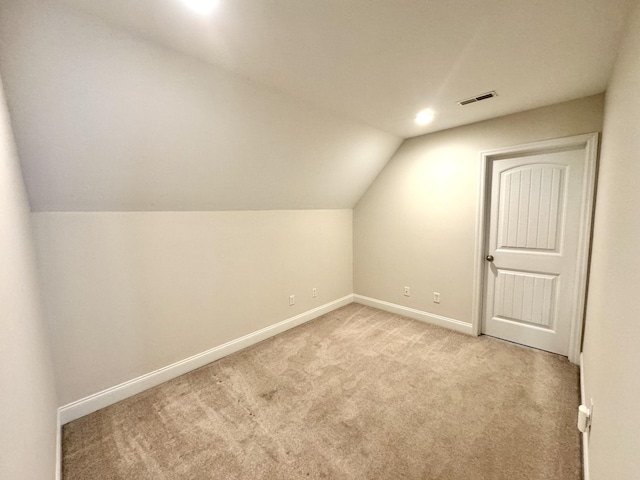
x=589 y=144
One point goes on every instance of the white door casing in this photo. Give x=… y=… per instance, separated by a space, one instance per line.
x=535 y=220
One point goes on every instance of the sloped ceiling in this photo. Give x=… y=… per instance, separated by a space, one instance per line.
x=107 y=122
x=381 y=61
x=271 y=104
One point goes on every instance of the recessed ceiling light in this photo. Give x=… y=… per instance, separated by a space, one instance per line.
x=203 y=7
x=425 y=116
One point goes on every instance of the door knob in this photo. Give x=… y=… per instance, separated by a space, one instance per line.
x=489 y=258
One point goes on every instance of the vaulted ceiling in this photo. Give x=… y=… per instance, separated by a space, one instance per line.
x=382 y=61
x=264 y=104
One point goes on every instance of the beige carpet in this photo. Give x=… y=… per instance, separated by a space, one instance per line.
x=356 y=394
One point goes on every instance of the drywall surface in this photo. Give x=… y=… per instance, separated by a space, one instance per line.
x=382 y=61
x=28 y=400
x=416 y=224
x=105 y=121
x=612 y=336
x=129 y=293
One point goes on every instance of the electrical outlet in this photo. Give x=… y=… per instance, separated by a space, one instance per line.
x=407 y=291
x=292 y=300
x=436 y=297
x=314 y=292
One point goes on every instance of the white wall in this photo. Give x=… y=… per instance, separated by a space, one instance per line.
x=106 y=121
x=416 y=224
x=612 y=336
x=129 y=293
x=28 y=398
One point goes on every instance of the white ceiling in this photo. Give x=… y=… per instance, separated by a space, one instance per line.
x=121 y=105
x=105 y=121
x=381 y=61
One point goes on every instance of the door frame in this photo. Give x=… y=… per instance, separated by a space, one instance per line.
x=588 y=142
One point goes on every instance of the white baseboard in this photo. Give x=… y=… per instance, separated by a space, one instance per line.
x=58 y=447
x=585 y=435
x=427 y=317
x=92 y=403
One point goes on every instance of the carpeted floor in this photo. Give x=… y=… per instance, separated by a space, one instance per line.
x=356 y=394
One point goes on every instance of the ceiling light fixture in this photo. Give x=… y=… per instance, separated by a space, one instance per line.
x=425 y=116
x=203 y=7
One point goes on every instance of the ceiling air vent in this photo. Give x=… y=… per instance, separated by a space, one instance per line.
x=482 y=96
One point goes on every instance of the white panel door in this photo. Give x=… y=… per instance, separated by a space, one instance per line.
x=532 y=250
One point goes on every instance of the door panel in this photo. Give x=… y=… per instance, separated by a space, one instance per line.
x=525 y=297
x=531 y=201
